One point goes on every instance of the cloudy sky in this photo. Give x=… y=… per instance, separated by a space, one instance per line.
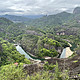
x=36 y=7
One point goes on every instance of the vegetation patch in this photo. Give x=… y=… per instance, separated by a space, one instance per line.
x=75 y=61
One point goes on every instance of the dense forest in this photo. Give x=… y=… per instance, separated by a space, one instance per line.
x=46 y=36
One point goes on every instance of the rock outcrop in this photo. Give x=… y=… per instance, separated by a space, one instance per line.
x=76 y=10
x=31 y=68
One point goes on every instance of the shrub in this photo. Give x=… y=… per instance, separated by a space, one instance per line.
x=12 y=72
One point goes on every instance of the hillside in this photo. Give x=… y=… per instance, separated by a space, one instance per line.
x=47 y=39
x=4 y=21
x=34 y=40
x=9 y=30
x=9 y=54
x=42 y=46
x=46 y=20
x=51 y=20
x=44 y=37
x=16 y=19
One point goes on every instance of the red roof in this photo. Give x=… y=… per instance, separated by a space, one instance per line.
x=16 y=63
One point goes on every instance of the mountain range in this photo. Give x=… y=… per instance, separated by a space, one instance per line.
x=45 y=20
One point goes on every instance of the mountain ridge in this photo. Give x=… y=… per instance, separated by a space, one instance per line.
x=46 y=20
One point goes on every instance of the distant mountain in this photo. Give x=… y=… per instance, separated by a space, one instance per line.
x=33 y=16
x=45 y=20
x=57 y=19
x=64 y=16
x=9 y=30
x=76 y=10
x=26 y=18
x=51 y=20
x=4 y=21
x=16 y=18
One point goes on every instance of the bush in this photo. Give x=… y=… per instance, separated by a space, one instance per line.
x=48 y=66
x=12 y=72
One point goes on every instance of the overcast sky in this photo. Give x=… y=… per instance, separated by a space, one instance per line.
x=36 y=7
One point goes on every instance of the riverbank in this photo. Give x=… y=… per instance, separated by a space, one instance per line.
x=68 y=52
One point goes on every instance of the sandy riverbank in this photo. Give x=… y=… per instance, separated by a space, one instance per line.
x=68 y=52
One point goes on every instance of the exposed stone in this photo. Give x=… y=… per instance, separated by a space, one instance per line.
x=76 y=10
x=33 y=32
x=31 y=68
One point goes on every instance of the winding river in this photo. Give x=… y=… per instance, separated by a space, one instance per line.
x=21 y=51
x=65 y=53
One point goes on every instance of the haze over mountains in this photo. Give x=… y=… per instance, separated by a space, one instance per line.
x=44 y=20
x=12 y=17
x=41 y=36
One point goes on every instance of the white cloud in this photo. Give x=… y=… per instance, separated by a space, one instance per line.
x=27 y=7
x=63 y=9
x=76 y=5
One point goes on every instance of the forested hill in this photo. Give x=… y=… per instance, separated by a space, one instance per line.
x=47 y=20
x=4 y=21
x=10 y=30
x=52 y=20
x=57 y=19
x=9 y=54
x=34 y=40
x=43 y=37
x=43 y=34
x=17 y=19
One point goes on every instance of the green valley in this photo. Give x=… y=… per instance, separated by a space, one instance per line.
x=45 y=39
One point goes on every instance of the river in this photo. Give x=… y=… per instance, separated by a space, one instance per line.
x=65 y=53
x=21 y=51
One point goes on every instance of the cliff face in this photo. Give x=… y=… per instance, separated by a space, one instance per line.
x=76 y=10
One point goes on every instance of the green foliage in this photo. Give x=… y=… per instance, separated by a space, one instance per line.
x=48 y=66
x=47 y=47
x=51 y=42
x=75 y=61
x=9 y=54
x=40 y=41
x=58 y=75
x=61 y=41
x=12 y=72
x=4 y=21
x=36 y=44
x=46 y=52
x=45 y=75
